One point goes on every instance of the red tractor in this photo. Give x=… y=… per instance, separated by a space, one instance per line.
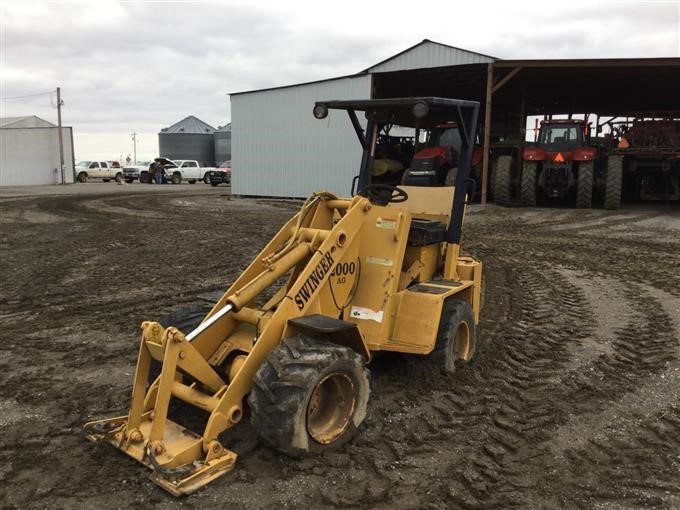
x=437 y=163
x=560 y=164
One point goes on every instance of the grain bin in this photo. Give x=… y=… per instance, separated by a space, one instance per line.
x=190 y=138
x=223 y=144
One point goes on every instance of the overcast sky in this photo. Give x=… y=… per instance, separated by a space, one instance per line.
x=128 y=66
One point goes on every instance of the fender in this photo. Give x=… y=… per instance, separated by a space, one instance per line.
x=584 y=154
x=477 y=154
x=534 y=154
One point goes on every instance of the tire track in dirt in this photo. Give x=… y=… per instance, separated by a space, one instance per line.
x=558 y=409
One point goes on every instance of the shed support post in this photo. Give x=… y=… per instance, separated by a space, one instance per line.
x=487 y=131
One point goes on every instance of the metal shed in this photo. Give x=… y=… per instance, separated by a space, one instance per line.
x=280 y=150
x=281 y=138
x=29 y=152
x=190 y=138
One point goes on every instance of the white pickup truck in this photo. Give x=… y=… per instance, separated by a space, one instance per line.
x=188 y=170
x=104 y=170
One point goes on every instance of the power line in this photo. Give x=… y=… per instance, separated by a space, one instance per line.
x=28 y=95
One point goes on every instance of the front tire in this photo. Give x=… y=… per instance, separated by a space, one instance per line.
x=501 y=186
x=584 y=185
x=82 y=177
x=457 y=336
x=528 y=184
x=309 y=396
x=206 y=178
x=176 y=178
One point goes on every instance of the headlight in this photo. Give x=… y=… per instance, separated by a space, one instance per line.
x=320 y=111
x=420 y=110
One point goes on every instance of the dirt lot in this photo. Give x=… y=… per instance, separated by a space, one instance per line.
x=573 y=399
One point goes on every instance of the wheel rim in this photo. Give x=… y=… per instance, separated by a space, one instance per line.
x=461 y=342
x=331 y=407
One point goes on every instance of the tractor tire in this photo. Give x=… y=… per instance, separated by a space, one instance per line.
x=501 y=186
x=177 y=178
x=457 y=336
x=309 y=396
x=528 y=184
x=613 y=183
x=451 y=175
x=491 y=183
x=584 y=185
x=184 y=318
x=82 y=177
x=206 y=178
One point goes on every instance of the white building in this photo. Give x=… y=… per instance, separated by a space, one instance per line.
x=29 y=152
x=279 y=149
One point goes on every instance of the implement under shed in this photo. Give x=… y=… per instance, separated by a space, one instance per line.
x=510 y=90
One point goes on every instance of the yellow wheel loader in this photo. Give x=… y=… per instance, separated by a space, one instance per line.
x=344 y=279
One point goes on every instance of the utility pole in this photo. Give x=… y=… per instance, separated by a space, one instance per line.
x=134 y=144
x=61 y=141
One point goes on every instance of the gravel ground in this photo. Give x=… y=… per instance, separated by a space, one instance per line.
x=572 y=400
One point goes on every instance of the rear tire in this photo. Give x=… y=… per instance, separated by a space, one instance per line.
x=177 y=178
x=528 y=184
x=502 y=181
x=119 y=178
x=206 y=178
x=613 y=183
x=451 y=175
x=309 y=396
x=584 y=185
x=457 y=336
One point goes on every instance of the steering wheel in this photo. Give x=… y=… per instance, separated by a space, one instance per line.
x=383 y=194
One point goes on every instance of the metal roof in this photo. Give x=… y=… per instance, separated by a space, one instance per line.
x=224 y=129
x=427 y=54
x=27 y=121
x=189 y=125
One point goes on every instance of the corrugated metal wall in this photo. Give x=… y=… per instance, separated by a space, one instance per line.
x=31 y=156
x=430 y=55
x=188 y=146
x=279 y=149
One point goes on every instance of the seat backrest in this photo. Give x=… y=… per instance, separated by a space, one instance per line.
x=428 y=202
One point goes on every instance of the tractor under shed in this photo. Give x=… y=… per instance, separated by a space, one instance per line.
x=511 y=90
